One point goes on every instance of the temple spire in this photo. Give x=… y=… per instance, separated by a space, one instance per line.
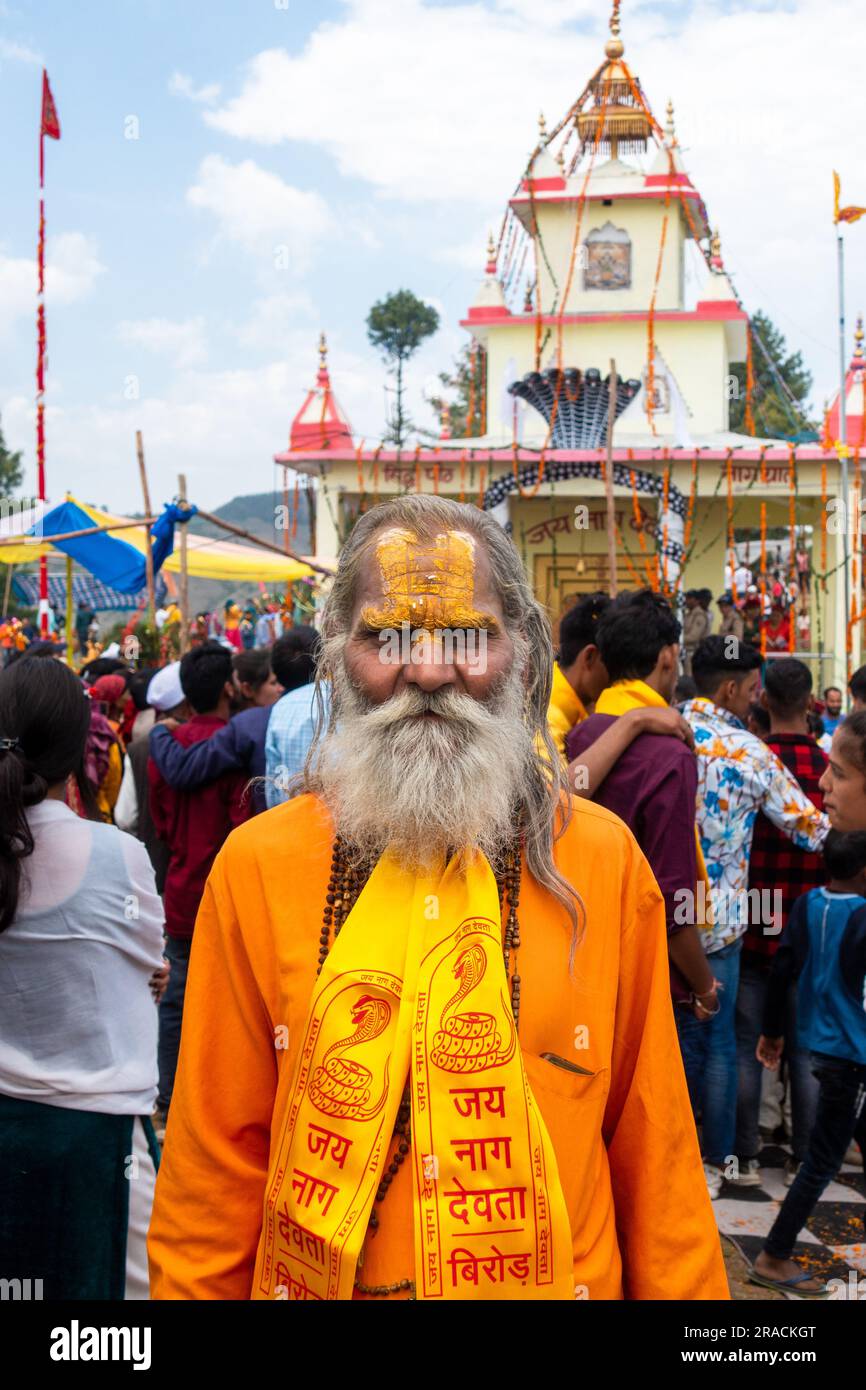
x=323 y=377
x=670 y=132
x=490 y=268
x=614 y=48
x=617 y=120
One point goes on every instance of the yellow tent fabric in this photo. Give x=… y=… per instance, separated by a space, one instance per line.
x=206 y=558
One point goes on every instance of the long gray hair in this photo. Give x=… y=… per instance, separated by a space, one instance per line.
x=527 y=625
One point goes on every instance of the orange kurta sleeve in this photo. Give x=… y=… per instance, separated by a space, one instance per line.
x=668 y=1237
x=207 y=1213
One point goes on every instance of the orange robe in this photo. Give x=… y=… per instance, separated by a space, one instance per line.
x=641 y=1220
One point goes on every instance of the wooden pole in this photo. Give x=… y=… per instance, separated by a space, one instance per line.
x=151 y=592
x=184 y=571
x=286 y=510
x=74 y=535
x=9 y=569
x=257 y=540
x=70 y=613
x=608 y=480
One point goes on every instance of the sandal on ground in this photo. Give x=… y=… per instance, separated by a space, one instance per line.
x=788 y=1285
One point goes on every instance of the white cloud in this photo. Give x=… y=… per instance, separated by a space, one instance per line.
x=259 y=211
x=183 y=343
x=438 y=103
x=225 y=425
x=182 y=86
x=18 y=53
x=72 y=268
x=273 y=316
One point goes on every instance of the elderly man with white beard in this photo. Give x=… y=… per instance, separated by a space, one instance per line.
x=428 y=1047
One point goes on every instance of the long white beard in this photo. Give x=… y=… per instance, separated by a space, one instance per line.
x=422 y=786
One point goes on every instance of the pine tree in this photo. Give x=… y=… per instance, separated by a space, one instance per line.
x=11 y=469
x=397 y=326
x=465 y=385
x=776 y=415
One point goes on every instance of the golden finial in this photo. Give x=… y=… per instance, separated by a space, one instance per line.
x=614 y=48
x=527 y=298
x=858 y=337
x=669 y=124
x=542 y=129
x=560 y=159
x=715 y=248
x=323 y=352
x=491 y=254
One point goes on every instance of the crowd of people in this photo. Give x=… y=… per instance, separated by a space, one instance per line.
x=308 y=857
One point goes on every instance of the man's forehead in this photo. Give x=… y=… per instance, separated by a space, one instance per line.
x=448 y=569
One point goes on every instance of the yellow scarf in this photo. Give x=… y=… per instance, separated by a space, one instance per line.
x=626 y=695
x=415 y=985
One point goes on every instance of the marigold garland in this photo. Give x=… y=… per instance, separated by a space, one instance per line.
x=651 y=340
x=361 y=489
x=763 y=584
x=732 y=550
x=824 y=524
x=651 y=579
x=575 y=242
x=633 y=573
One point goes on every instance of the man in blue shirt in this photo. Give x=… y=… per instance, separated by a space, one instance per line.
x=833 y=712
x=241 y=745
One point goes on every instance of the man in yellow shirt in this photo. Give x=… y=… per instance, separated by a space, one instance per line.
x=428 y=1048
x=579 y=674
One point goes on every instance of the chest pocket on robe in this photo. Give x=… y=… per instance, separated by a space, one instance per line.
x=572 y=1107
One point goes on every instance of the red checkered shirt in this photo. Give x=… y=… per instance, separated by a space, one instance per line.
x=776 y=863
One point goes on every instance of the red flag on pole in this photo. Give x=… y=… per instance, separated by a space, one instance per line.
x=50 y=124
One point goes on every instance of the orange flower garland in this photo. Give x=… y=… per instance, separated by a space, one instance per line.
x=732 y=552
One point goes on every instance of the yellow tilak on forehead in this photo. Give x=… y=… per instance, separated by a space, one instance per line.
x=428 y=584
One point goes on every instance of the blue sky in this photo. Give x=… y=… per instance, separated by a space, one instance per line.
x=294 y=164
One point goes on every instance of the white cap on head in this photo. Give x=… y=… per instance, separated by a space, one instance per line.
x=165 y=690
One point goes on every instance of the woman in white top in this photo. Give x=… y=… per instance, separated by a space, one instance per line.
x=80 y=942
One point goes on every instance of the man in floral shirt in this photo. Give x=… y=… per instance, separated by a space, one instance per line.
x=738 y=776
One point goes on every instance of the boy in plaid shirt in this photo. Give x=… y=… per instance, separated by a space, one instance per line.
x=778 y=866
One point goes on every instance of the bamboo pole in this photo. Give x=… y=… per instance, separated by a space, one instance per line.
x=9 y=569
x=70 y=613
x=151 y=592
x=608 y=480
x=257 y=540
x=74 y=535
x=184 y=571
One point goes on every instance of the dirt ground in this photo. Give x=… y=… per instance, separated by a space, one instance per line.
x=738 y=1276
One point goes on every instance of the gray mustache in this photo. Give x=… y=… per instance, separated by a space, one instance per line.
x=448 y=704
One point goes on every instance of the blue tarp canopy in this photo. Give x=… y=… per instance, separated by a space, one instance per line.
x=114 y=562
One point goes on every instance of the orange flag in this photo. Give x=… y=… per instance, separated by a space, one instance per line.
x=850 y=214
